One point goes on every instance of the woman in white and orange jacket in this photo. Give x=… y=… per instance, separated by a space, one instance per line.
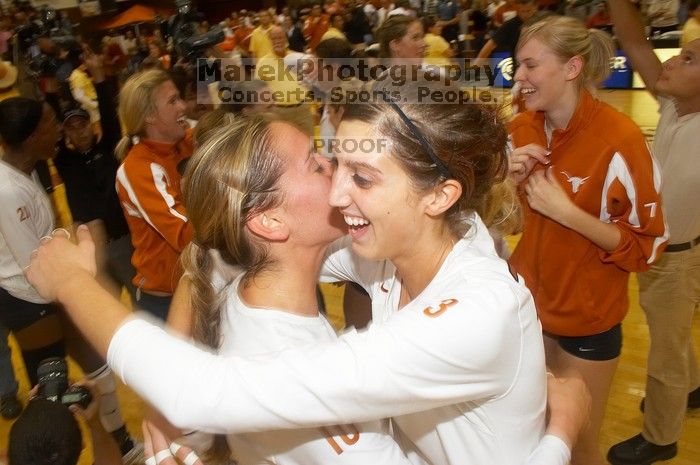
x=592 y=205
x=157 y=140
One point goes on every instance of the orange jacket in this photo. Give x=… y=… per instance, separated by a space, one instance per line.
x=315 y=28
x=148 y=185
x=242 y=36
x=603 y=162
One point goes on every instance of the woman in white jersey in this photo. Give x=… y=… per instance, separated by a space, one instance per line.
x=460 y=367
x=248 y=189
x=28 y=135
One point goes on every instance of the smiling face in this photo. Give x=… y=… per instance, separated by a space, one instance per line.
x=375 y=196
x=305 y=186
x=168 y=123
x=543 y=76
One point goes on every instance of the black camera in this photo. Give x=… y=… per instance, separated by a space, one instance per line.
x=53 y=384
x=191 y=47
x=182 y=26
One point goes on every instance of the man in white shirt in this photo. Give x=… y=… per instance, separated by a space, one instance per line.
x=669 y=292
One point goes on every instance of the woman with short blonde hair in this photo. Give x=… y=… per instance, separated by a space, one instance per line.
x=157 y=140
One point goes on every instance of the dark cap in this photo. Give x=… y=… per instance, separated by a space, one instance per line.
x=74 y=112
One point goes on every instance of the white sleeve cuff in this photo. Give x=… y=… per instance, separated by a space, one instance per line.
x=550 y=451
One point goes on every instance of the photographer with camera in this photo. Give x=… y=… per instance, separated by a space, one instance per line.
x=46 y=51
x=189 y=41
x=47 y=431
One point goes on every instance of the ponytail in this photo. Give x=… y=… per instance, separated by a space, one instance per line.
x=205 y=301
x=500 y=208
x=123 y=147
x=602 y=51
x=206 y=306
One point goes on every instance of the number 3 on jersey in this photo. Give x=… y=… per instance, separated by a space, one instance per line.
x=347 y=433
x=444 y=305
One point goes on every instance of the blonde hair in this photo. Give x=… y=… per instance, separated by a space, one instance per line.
x=230 y=177
x=568 y=37
x=500 y=209
x=136 y=103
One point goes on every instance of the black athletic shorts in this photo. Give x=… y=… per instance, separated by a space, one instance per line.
x=17 y=314
x=598 y=347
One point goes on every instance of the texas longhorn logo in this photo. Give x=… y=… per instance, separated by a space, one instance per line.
x=575 y=181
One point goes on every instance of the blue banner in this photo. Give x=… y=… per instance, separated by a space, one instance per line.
x=620 y=77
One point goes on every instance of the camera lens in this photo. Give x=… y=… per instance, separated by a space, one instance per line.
x=53 y=378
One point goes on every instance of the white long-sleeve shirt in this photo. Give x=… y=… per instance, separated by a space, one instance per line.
x=460 y=368
x=249 y=331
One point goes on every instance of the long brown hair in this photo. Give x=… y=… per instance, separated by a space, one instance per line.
x=393 y=28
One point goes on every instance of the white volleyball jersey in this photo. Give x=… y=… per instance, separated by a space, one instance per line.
x=505 y=422
x=460 y=368
x=249 y=332
x=25 y=216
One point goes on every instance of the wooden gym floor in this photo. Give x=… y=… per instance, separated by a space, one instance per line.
x=623 y=418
